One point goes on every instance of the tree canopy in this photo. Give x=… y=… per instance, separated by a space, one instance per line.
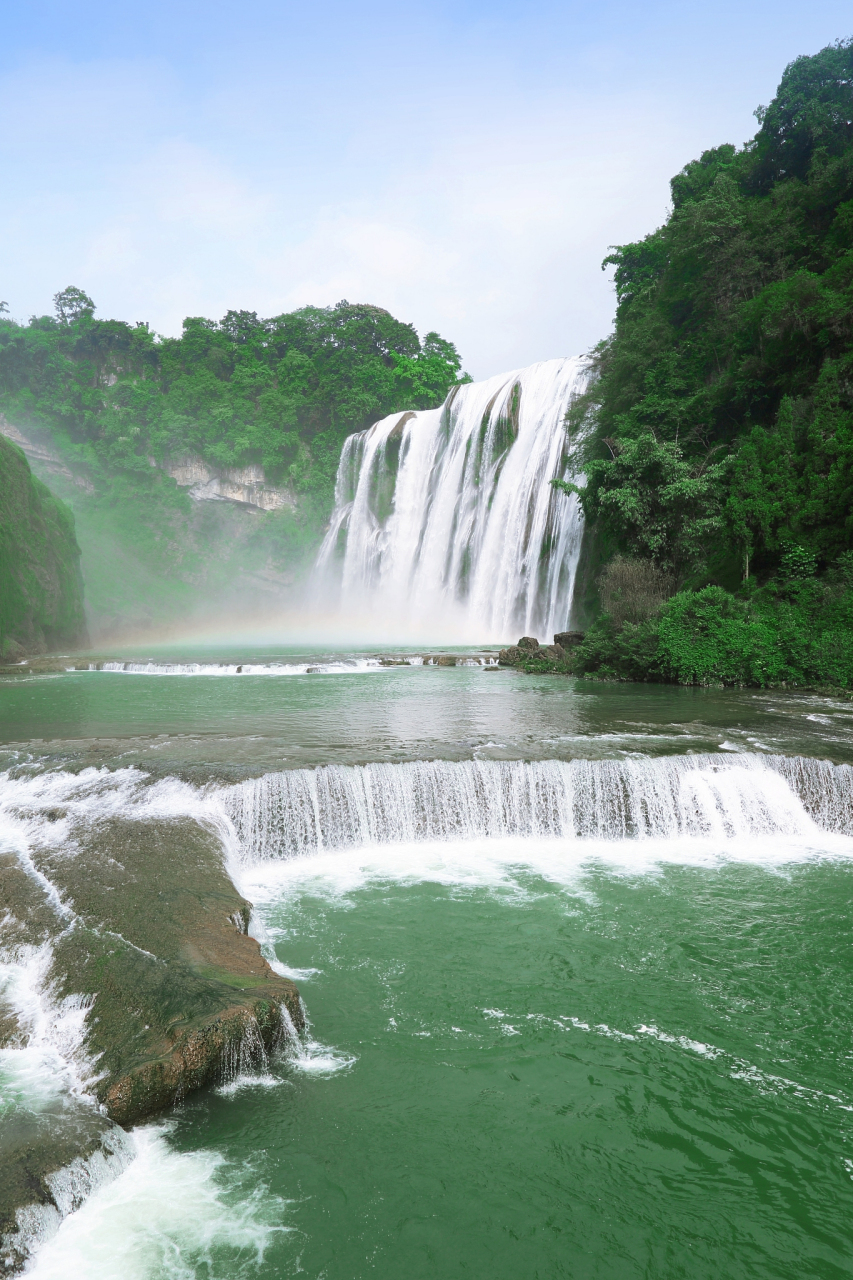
x=283 y=391
x=732 y=354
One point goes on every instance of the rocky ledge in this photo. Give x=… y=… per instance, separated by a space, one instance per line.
x=149 y=946
x=531 y=655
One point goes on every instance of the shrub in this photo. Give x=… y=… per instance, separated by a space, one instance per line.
x=632 y=590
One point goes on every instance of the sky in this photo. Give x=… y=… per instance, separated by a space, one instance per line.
x=465 y=165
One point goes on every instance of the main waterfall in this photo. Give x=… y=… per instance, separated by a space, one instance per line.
x=445 y=521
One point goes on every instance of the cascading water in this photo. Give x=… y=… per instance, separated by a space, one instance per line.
x=445 y=519
x=304 y=811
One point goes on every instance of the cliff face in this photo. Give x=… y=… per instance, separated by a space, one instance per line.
x=41 y=589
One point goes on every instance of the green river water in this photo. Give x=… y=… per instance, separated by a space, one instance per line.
x=527 y=1058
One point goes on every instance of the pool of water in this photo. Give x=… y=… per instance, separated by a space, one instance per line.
x=631 y=1072
x=527 y=1057
x=356 y=712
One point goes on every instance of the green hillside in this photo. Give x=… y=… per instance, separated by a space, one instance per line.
x=116 y=403
x=41 y=591
x=719 y=445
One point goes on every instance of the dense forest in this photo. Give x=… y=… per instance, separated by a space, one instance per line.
x=716 y=435
x=116 y=402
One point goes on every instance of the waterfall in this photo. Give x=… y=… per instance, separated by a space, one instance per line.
x=445 y=520
x=303 y=811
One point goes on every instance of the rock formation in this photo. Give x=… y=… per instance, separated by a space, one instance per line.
x=148 y=938
x=554 y=656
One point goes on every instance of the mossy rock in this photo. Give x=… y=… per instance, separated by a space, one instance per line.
x=178 y=995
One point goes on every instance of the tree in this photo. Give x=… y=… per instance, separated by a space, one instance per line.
x=72 y=304
x=654 y=502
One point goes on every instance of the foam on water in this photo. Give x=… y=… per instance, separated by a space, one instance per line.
x=170 y=1216
x=42 y=807
x=507 y=864
x=47 y=1062
x=315 y=1059
x=352 y=666
x=737 y=1068
x=722 y=797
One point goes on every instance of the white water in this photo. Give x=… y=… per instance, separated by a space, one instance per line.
x=328 y=832
x=446 y=521
x=347 y=667
x=164 y=1216
x=351 y=666
x=309 y=811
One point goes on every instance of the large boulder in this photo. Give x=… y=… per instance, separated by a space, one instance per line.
x=568 y=639
x=149 y=941
x=511 y=656
x=178 y=995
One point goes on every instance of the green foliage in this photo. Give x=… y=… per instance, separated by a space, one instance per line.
x=654 y=502
x=41 y=593
x=73 y=304
x=718 y=426
x=282 y=392
x=796 y=632
x=732 y=354
x=115 y=401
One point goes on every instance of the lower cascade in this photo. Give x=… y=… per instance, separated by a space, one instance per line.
x=303 y=811
x=448 y=513
x=91 y=857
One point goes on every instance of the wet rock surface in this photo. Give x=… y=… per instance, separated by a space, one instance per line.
x=144 y=941
x=159 y=946
x=51 y=1162
x=547 y=657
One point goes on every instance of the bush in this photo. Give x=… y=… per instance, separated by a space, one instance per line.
x=794 y=632
x=633 y=590
x=712 y=637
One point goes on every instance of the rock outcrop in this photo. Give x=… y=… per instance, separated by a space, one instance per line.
x=549 y=656
x=41 y=589
x=179 y=989
x=52 y=1161
x=148 y=941
x=568 y=639
x=247 y=486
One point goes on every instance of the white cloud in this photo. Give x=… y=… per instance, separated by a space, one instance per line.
x=475 y=194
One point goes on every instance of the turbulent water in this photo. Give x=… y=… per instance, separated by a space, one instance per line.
x=447 y=516
x=306 y=811
x=576 y=962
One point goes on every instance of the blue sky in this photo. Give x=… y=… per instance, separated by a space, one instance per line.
x=465 y=165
